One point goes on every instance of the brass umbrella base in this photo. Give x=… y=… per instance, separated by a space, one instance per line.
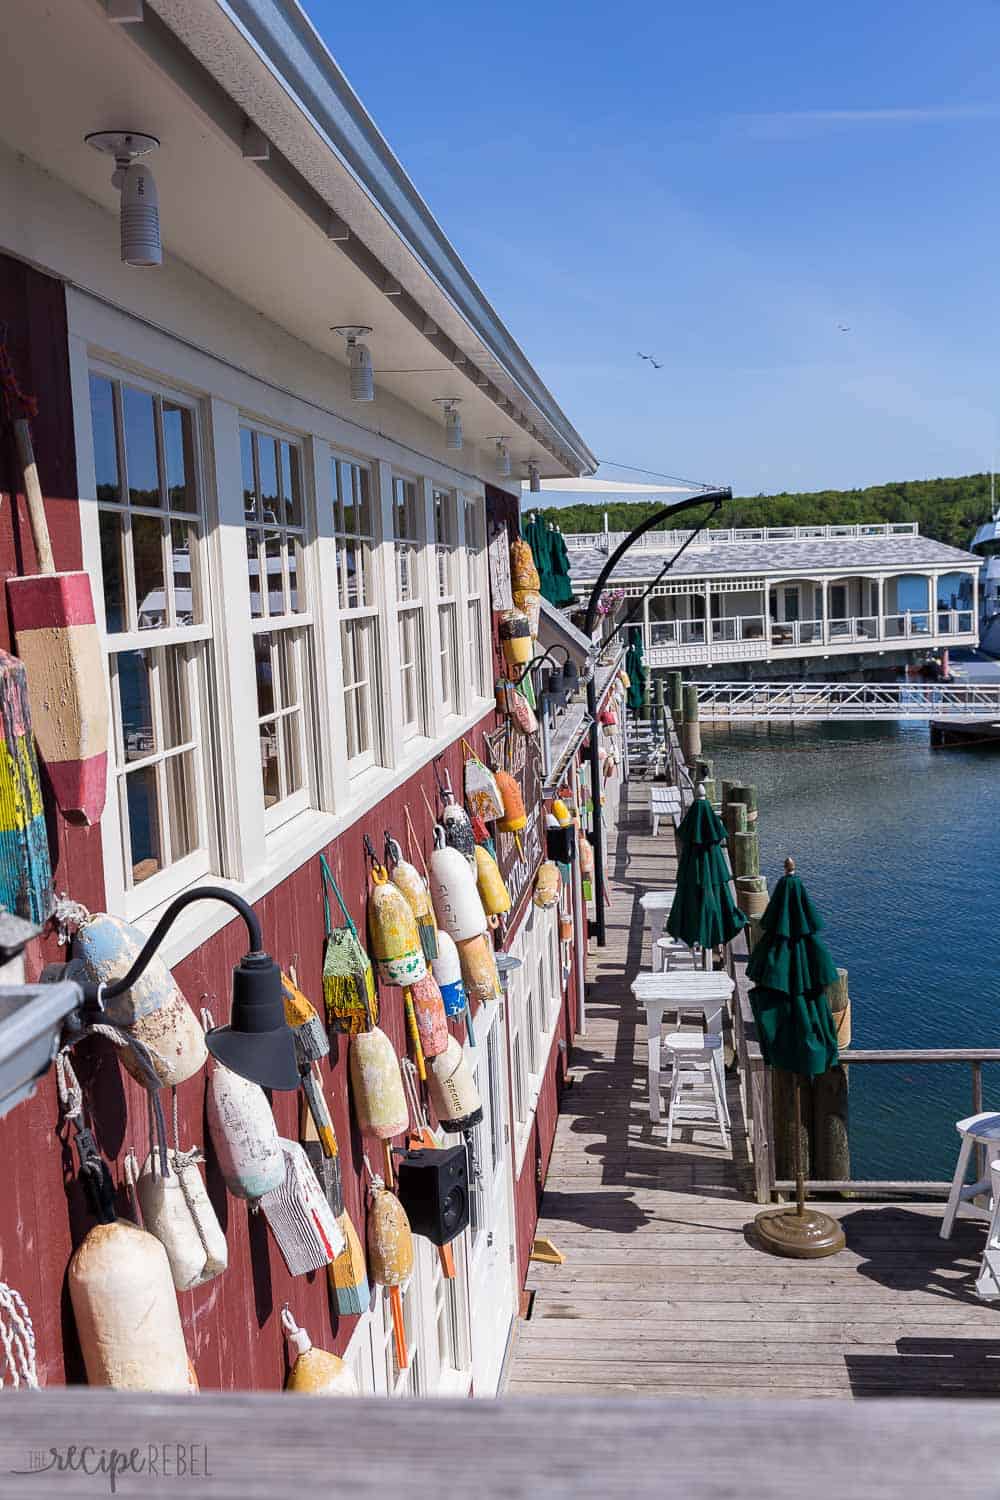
x=803 y=1235
x=797 y=1231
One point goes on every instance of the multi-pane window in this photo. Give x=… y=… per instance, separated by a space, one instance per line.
x=409 y=602
x=449 y=1317
x=151 y=527
x=357 y=532
x=444 y=557
x=475 y=597
x=274 y=517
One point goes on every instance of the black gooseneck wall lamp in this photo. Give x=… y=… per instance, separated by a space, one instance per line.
x=716 y=497
x=258 y=1043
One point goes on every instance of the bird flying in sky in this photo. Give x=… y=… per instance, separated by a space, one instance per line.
x=844 y=327
x=652 y=361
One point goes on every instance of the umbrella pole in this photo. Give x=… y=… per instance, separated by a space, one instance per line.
x=795 y=1231
x=800 y=1178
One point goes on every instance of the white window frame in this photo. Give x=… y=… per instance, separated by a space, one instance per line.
x=244 y=856
x=133 y=899
x=371 y=615
x=299 y=624
x=475 y=608
x=414 y=605
x=534 y=1014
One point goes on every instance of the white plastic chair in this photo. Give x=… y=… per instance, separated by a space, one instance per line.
x=977 y=1130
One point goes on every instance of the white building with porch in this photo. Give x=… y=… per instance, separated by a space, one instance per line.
x=771 y=601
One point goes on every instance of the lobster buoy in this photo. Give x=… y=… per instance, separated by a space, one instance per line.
x=515 y=637
x=514 y=816
x=408 y=879
x=548 y=884
x=313 y=1371
x=455 y=896
x=377 y=1085
x=447 y=969
x=523 y=568
x=452 y=1088
x=432 y=1022
x=176 y=1209
x=481 y=791
x=492 y=891
x=244 y=1135
x=126 y=1311
x=153 y=1009
x=458 y=831
x=561 y=813
x=515 y=706
x=530 y=600
x=479 y=969
x=395 y=940
x=390 y=1257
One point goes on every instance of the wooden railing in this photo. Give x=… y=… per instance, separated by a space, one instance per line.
x=754 y=1074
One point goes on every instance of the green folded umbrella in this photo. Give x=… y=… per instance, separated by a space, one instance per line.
x=791 y=968
x=635 y=669
x=561 y=582
x=703 y=913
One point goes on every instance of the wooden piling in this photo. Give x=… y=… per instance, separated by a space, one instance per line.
x=690 y=727
x=740 y=792
x=675 y=694
x=831 y=1098
x=746 y=854
x=751 y=895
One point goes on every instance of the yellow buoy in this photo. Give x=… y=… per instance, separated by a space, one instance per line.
x=492 y=891
x=314 y=1372
x=395 y=940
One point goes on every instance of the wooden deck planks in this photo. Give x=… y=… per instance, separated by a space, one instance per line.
x=663 y=1291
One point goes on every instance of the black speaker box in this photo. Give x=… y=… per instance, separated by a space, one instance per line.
x=560 y=844
x=433 y=1187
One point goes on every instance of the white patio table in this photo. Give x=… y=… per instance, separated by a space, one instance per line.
x=677 y=990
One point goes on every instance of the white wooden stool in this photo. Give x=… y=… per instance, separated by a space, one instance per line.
x=656 y=908
x=696 y=1093
x=671 y=953
x=664 y=802
x=988 y=1280
x=668 y=993
x=977 y=1130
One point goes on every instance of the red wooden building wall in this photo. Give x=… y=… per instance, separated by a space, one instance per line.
x=231 y=1323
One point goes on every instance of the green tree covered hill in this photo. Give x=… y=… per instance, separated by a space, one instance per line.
x=948 y=509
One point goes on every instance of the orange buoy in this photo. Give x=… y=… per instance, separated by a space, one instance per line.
x=479 y=969
x=390 y=1255
x=432 y=1022
x=514 y=816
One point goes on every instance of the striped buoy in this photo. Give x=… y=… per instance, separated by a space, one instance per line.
x=377 y=1085
x=395 y=940
x=479 y=969
x=492 y=891
x=452 y=1087
x=408 y=879
x=458 y=831
x=447 y=969
x=429 y=1011
x=561 y=813
x=515 y=637
x=456 y=900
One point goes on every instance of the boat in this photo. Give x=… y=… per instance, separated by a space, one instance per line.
x=986 y=544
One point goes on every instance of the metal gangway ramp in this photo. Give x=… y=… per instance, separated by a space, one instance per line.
x=732 y=702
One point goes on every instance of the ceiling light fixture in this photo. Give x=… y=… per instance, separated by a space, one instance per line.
x=139 y=212
x=452 y=420
x=360 y=360
x=391 y=287
x=535 y=483
x=503 y=455
x=255 y=144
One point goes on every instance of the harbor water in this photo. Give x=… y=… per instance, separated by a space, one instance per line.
x=899 y=846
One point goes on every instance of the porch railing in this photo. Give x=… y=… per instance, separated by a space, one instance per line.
x=653 y=541
x=792 y=635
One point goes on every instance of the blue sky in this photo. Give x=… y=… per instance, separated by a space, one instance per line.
x=719 y=184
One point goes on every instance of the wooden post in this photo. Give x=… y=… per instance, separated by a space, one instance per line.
x=748 y=796
x=727 y=787
x=831 y=1132
x=675 y=694
x=746 y=854
x=734 y=815
x=690 y=727
x=751 y=895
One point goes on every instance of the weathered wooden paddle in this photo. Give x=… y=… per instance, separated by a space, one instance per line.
x=57 y=639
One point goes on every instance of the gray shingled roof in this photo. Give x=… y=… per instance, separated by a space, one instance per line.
x=784 y=558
